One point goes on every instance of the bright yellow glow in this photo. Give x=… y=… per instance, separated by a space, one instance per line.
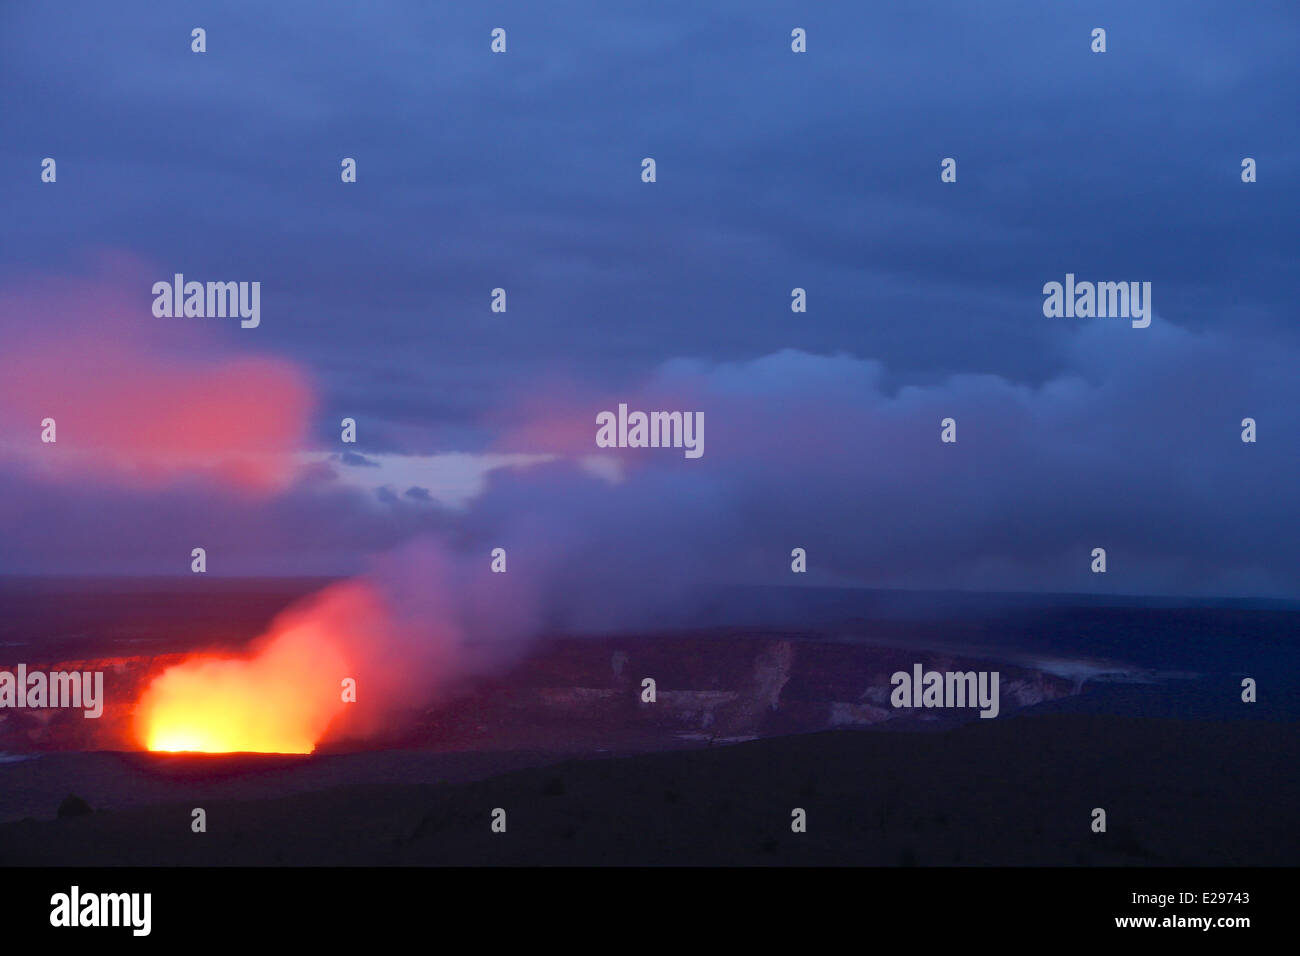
x=279 y=701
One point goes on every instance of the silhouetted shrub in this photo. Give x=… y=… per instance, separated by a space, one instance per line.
x=74 y=806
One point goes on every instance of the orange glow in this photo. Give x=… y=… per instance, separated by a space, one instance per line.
x=281 y=700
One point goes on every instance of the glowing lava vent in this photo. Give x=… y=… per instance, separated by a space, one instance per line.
x=280 y=700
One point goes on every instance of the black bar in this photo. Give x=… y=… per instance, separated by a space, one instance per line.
x=660 y=906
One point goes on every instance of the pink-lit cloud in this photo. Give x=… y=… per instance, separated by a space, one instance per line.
x=139 y=400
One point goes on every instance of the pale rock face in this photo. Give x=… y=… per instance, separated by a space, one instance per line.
x=716 y=690
x=878 y=694
x=772 y=673
x=844 y=714
x=1026 y=693
x=695 y=707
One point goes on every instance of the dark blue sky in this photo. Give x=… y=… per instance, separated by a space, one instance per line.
x=775 y=170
